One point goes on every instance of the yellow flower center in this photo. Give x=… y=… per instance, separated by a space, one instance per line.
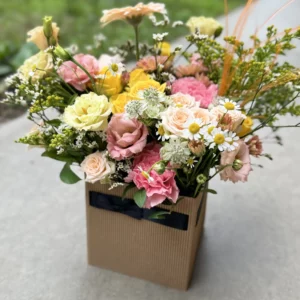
x=179 y=105
x=219 y=138
x=194 y=128
x=210 y=129
x=190 y=161
x=229 y=106
x=114 y=67
x=161 y=130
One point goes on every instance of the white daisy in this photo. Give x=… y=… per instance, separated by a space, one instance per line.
x=191 y=162
x=146 y=174
x=219 y=139
x=162 y=133
x=207 y=130
x=116 y=68
x=192 y=129
x=229 y=104
x=232 y=139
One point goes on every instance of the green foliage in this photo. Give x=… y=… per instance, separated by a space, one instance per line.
x=67 y=175
x=140 y=197
x=159 y=214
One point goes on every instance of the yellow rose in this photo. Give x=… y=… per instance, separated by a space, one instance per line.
x=245 y=128
x=136 y=76
x=208 y=26
x=143 y=85
x=36 y=66
x=118 y=102
x=110 y=85
x=165 y=48
x=89 y=112
x=37 y=36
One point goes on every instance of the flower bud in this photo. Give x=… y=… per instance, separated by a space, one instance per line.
x=47 y=27
x=62 y=53
x=187 y=170
x=197 y=147
x=237 y=164
x=159 y=167
x=201 y=179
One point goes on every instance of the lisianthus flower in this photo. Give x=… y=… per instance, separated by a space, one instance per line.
x=246 y=126
x=150 y=63
x=74 y=75
x=89 y=112
x=239 y=160
x=159 y=187
x=125 y=137
x=192 y=129
x=188 y=70
x=132 y=13
x=255 y=146
x=37 y=36
x=195 y=88
x=203 y=25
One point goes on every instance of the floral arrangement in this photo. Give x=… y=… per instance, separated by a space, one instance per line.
x=158 y=125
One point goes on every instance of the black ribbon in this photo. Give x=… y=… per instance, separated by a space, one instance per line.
x=129 y=208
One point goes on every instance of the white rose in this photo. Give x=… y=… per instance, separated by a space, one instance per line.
x=97 y=167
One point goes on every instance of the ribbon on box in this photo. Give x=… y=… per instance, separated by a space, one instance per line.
x=129 y=208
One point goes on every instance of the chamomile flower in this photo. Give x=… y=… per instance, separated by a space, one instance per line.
x=116 y=68
x=229 y=104
x=162 y=133
x=231 y=139
x=219 y=139
x=207 y=130
x=146 y=174
x=192 y=129
x=191 y=162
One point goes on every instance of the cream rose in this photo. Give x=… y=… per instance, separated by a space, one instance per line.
x=184 y=100
x=202 y=113
x=89 y=112
x=36 y=66
x=97 y=167
x=37 y=36
x=174 y=118
x=208 y=26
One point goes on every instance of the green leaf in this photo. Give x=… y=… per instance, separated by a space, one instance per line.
x=128 y=187
x=67 y=175
x=53 y=155
x=140 y=197
x=210 y=191
x=159 y=214
x=54 y=122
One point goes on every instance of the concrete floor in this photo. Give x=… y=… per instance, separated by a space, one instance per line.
x=251 y=245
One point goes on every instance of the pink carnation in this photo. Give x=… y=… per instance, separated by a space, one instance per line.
x=125 y=137
x=160 y=187
x=195 y=88
x=75 y=76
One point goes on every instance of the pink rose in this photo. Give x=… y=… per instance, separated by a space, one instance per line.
x=75 y=76
x=240 y=159
x=160 y=187
x=125 y=137
x=195 y=88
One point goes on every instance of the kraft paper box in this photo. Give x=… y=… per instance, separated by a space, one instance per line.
x=124 y=242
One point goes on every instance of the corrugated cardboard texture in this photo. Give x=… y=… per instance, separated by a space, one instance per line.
x=142 y=248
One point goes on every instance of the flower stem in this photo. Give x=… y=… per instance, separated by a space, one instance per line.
x=85 y=71
x=137 y=49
